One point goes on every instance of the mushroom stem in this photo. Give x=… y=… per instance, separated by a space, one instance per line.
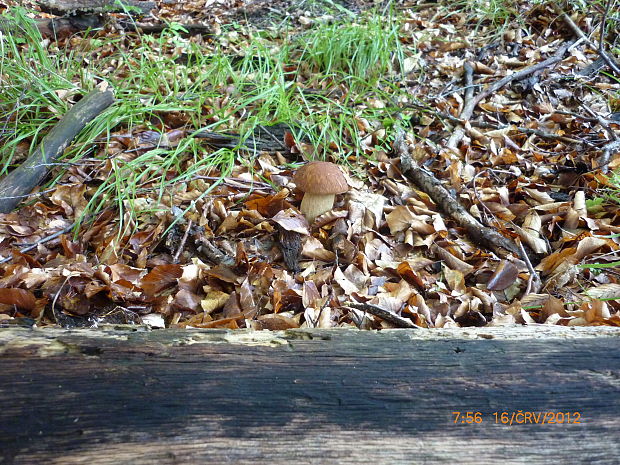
x=313 y=205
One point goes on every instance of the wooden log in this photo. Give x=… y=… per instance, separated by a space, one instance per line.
x=73 y=7
x=322 y=396
x=29 y=174
x=57 y=28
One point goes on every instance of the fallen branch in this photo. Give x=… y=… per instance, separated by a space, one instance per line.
x=29 y=174
x=470 y=104
x=385 y=315
x=579 y=33
x=214 y=254
x=264 y=138
x=530 y=131
x=480 y=234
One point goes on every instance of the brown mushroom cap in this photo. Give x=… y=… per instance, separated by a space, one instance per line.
x=320 y=177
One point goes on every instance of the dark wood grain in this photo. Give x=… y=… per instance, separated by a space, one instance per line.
x=118 y=397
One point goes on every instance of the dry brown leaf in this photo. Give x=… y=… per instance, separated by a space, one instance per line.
x=552 y=261
x=70 y=198
x=564 y=274
x=402 y=218
x=454 y=279
x=596 y=311
x=374 y=203
x=231 y=307
x=552 y=306
x=312 y=248
x=292 y=220
x=534 y=300
x=20 y=298
x=504 y=276
x=120 y=271
x=273 y=323
x=587 y=246
x=310 y=295
x=501 y=211
x=540 y=197
x=246 y=297
x=407 y=273
x=347 y=286
x=214 y=300
x=186 y=300
x=530 y=233
x=451 y=261
x=269 y=205
x=605 y=291
x=160 y=278
x=225 y=274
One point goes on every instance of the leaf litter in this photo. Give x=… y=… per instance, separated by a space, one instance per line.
x=231 y=249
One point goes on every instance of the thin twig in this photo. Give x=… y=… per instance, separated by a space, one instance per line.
x=232 y=181
x=533 y=282
x=175 y=259
x=602 y=121
x=34 y=194
x=328 y=300
x=517 y=76
x=54 y=302
x=590 y=119
x=43 y=240
x=480 y=201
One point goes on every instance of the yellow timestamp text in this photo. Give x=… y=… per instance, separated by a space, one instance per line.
x=520 y=417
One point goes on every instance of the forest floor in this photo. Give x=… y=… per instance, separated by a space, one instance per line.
x=479 y=145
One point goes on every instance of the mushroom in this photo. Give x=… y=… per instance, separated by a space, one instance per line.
x=320 y=181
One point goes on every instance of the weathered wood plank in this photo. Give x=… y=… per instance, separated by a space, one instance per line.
x=346 y=397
